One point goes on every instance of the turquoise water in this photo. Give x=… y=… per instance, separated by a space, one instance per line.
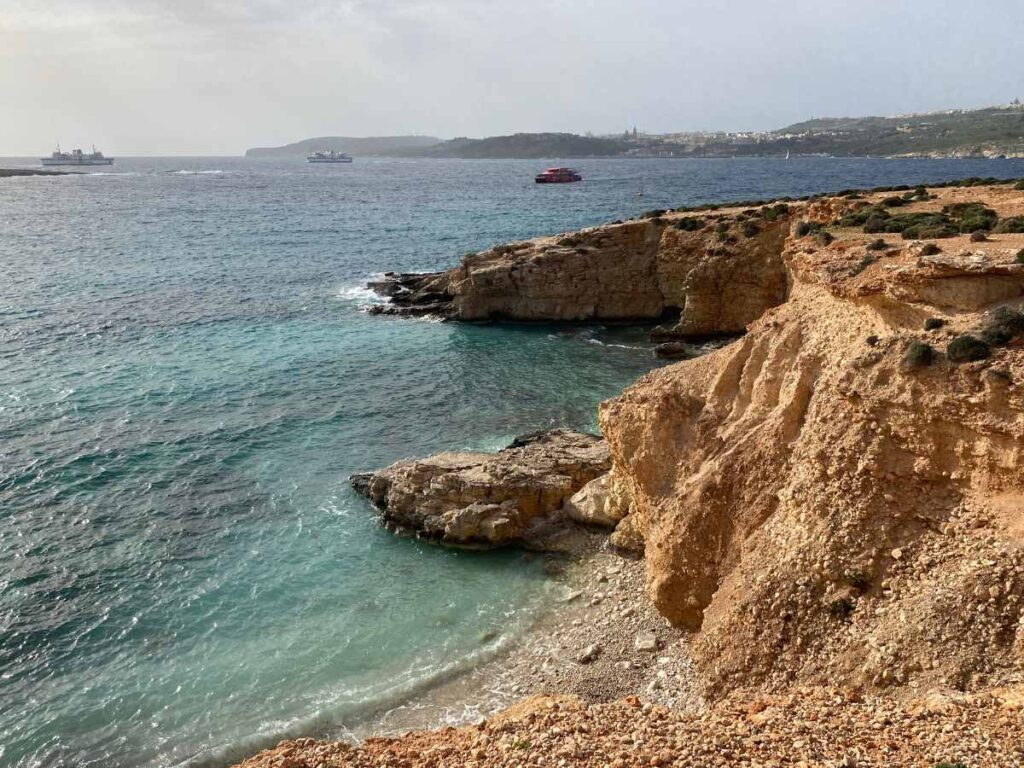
x=186 y=382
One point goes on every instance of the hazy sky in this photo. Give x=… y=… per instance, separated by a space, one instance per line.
x=218 y=76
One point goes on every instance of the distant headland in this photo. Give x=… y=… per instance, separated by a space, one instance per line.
x=989 y=132
x=368 y=145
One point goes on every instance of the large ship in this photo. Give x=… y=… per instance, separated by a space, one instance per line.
x=76 y=157
x=328 y=156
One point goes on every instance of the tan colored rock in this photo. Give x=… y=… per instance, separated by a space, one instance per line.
x=822 y=513
x=633 y=270
x=593 y=505
x=486 y=499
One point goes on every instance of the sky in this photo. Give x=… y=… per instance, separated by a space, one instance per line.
x=214 y=77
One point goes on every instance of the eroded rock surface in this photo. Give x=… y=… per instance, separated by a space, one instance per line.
x=720 y=270
x=483 y=500
x=819 y=503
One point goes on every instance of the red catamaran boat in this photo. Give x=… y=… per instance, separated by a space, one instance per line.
x=558 y=176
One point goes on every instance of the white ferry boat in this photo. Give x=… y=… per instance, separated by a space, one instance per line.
x=77 y=157
x=328 y=156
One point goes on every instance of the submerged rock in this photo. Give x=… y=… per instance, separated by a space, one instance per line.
x=485 y=500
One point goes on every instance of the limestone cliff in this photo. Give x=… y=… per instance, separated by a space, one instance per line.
x=839 y=496
x=720 y=269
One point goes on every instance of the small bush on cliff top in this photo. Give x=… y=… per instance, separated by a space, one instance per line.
x=1019 y=184
x=804 y=228
x=841 y=607
x=967 y=349
x=1003 y=326
x=894 y=202
x=919 y=354
x=749 y=229
x=722 y=229
x=1010 y=225
x=971 y=217
x=1020 y=256
x=823 y=237
x=690 y=224
x=863 y=264
x=930 y=249
x=653 y=214
x=979 y=236
x=878 y=245
x=933 y=323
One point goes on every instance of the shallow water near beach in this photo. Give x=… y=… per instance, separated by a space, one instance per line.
x=187 y=381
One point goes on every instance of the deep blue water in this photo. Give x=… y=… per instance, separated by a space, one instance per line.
x=186 y=382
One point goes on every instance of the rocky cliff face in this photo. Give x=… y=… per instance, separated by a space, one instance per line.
x=720 y=270
x=839 y=496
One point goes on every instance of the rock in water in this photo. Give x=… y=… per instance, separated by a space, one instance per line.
x=485 y=500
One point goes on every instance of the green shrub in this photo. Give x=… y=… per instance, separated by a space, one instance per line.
x=1003 y=326
x=841 y=607
x=878 y=245
x=1013 y=224
x=967 y=349
x=1019 y=184
x=804 y=228
x=1020 y=256
x=971 y=217
x=823 y=237
x=930 y=249
x=722 y=229
x=933 y=323
x=979 y=236
x=653 y=214
x=919 y=354
x=690 y=224
x=863 y=264
x=872 y=340
x=749 y=229
x=894 y=202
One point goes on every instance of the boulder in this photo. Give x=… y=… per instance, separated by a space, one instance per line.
x=486 y=500
x=593 y=505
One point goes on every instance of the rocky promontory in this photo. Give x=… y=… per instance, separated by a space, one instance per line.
x=830 y=509
x=486 y=500
x=707 y=274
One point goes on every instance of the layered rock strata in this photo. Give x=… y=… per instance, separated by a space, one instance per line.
x=485 y=500
x=720 y=270
x=839 y=496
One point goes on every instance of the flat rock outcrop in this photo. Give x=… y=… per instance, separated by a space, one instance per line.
x=485 y=500
x=717 y=272
x=839 y=496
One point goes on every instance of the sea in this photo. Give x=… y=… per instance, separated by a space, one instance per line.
x=188 y=378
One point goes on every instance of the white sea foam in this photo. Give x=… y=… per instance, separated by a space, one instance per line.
x=360 y=294
x=618 y=346
x=195 y=173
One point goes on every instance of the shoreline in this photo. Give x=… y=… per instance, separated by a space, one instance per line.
x=598 y=600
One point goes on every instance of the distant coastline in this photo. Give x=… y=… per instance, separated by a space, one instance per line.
x=991 y=132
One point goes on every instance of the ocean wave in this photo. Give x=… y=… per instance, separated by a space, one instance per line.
x=195 y=173
x=360 y=294
x=618 y=346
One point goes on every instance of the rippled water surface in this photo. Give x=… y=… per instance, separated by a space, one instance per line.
x=186 y=382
